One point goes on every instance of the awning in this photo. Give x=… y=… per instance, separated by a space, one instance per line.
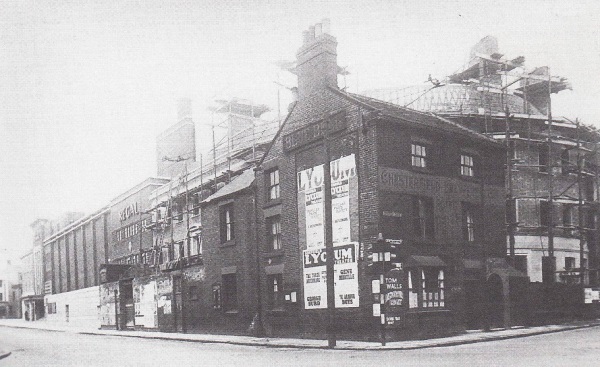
x=425 y=261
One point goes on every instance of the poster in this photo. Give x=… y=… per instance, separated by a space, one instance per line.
x=345 y=277
x=310 y=190
x=145 y=307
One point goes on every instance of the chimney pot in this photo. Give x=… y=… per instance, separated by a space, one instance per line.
x=305 y=37
x=311 y=32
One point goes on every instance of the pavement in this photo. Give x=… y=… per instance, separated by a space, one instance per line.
x=469 y=337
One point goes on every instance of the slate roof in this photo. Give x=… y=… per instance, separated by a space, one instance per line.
x=424 y=119
x=239 y=183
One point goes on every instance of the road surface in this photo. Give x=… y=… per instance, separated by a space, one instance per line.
x=49 y=348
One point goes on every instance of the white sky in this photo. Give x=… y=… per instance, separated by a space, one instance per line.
x=85 y=86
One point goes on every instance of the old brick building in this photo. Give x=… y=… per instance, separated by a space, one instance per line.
x=416 y=178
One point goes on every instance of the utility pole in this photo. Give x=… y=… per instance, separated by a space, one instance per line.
x=580 y=166
x=551 y=259
x=329 y=255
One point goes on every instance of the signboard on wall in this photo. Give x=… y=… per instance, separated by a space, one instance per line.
x=393 y=295
x=345 y=277
x=145 y=305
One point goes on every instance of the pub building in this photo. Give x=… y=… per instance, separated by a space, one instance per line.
x=429 y=186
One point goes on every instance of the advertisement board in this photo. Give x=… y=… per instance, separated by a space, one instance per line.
x=345 y=277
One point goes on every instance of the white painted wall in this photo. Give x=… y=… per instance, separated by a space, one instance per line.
x=83 y=308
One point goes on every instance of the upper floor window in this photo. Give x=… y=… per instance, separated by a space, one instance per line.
x=274 y=232
x=226 y=222
x=466 y=165
x=419 y=155
x=196 y=204
x=422 y=209
x=468 y=223
x=273 y=184
x=567 y=215
x=196 y=245
x=569 y=263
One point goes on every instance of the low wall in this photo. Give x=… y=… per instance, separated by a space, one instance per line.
x=77 y=308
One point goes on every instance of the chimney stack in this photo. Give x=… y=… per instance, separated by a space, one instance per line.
x=184 y=109
x=317 y=60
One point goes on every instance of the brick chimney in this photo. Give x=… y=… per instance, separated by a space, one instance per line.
x=316 y=65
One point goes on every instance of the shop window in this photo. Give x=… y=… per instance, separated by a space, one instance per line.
x=274 y=232
x=273 y=189
x=276 y=296
x=543 y=157
x=418 y=154
x=426 y=288
x=423 y=225
x=226 y=223
x=230 y=301
x=468 y=223
x=432 y=286
x=466 y=165
x=569 y=263
x=216 y=292
x=521 y=263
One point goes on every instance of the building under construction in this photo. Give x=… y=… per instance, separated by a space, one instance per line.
x=552 y=163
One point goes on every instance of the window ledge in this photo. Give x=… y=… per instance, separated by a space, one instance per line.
x=277 y=312
x=228 y=243
x=271 y=203
x=231 y=312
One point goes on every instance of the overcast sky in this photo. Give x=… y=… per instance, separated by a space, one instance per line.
x=85 y=86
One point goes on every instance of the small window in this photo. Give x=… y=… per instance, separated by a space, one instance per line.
x=273 y=188
x=230 y=302
x=418 y=155
x=226 y=223
x=196 y=245
x=274 y=232
x=423 y=217
x=589 y=189
x=543 y=157
x=468 y=223
x=569 y=263
x=511 y=211
x=467 y=167
x=276 y=296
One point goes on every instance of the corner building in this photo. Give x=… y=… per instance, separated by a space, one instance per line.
x=427 y=183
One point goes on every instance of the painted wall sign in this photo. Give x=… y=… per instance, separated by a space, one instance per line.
x=393 y=295
x=129 y=211
x=313 y=132
x=397 y=180
x=346 y=277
